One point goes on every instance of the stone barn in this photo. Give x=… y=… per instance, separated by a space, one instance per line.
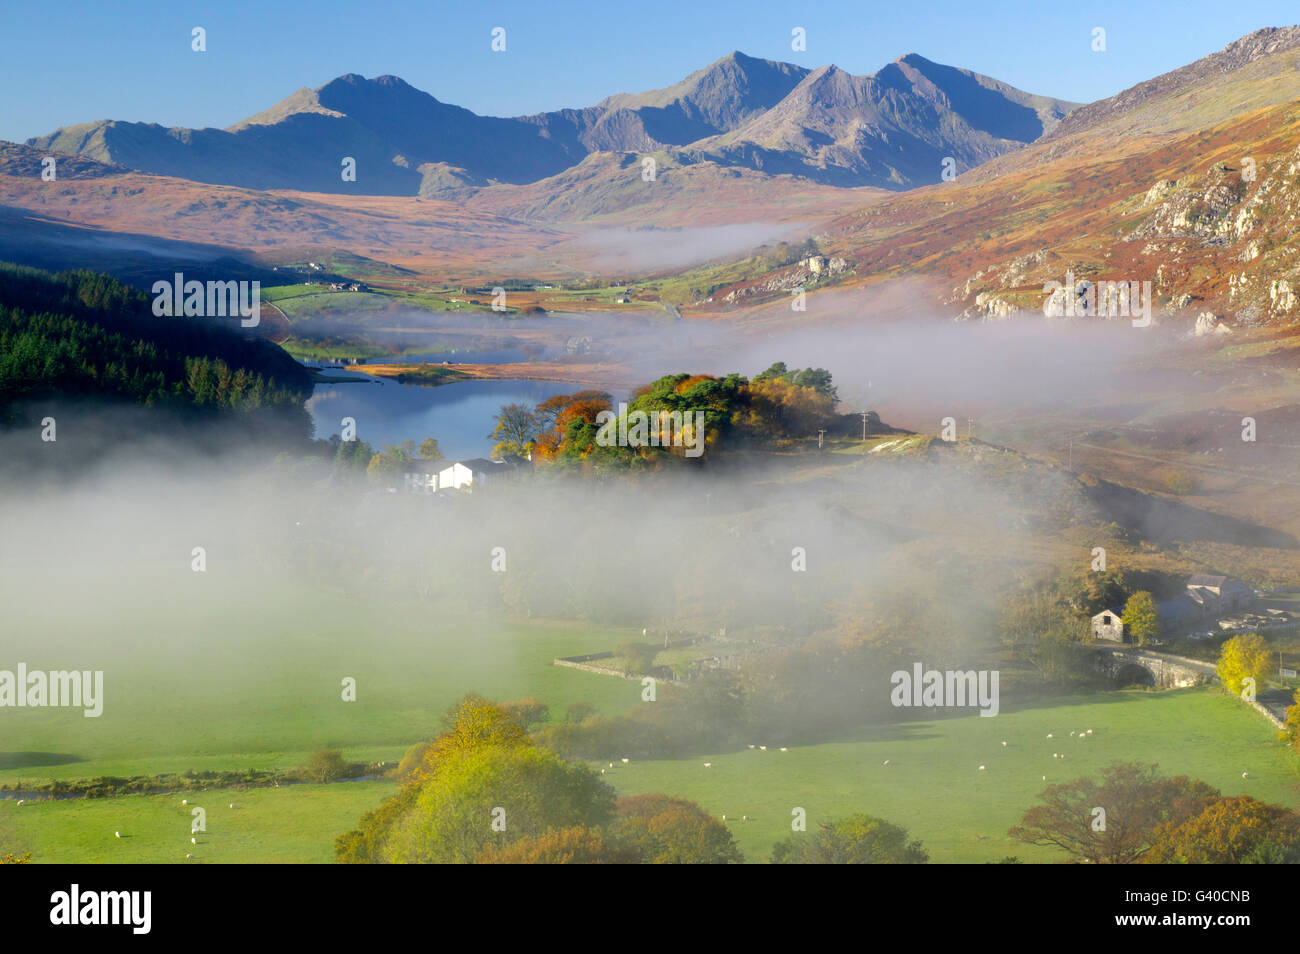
x=1109 y=625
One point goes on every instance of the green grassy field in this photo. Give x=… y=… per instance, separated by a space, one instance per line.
x=295 y=823
x=933 y=785
x=221 y=694
x=228 y=696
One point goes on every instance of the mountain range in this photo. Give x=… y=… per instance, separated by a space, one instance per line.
x=892 y=130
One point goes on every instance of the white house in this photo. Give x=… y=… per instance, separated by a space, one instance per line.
x=474 y=473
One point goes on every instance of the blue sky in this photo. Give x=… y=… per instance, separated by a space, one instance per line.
x=91 y=59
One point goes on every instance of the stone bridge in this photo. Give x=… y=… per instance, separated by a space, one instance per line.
x=1161 y=670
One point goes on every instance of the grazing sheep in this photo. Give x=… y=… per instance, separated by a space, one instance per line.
x=602 y=771
x=886 y=762
x=1244 y=774
x=625 y=761
x=762 y=748
x=1090 y=731
x=1004 y=743
x=784 y=749
x=744 y=818
x=1071 y=732
x=21 y=800
x=1044 y=778
x=724 y=817
x=117 y=834
x=1049 y=735
x=194 y=841
x=981 y=768
x=188 y=856
x=708 y=765
x=185 y=801
x=232 y=804
x=751 y=746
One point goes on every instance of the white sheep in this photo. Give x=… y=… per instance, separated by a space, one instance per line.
x=21 y=800
x=194 y=841
x=1244 y=774
x=886 y=762
x=981 y=768
x=185 y=801
x=117 y=834
x=1090 y=731
x=1004 y=743
x=232 y=804
x=784 y=749
x=708 y=765
x=188 y=856
x=1049 y=735
x=762 y=748
x=625 y=761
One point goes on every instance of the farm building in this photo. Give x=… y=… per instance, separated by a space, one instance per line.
x=420 y=476
x=1206 y=599
x=478 y=471
x=1221 y=594
x=1109 y=624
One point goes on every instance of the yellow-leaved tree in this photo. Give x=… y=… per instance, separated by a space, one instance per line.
x=1141 y=621
x=1244 y=657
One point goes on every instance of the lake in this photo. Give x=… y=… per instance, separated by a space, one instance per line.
x=459 y=416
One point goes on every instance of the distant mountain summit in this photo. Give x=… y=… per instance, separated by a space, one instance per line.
x=892 y=129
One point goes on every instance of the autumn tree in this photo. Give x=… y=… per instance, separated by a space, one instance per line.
x=1136 y=801
x=1141 y=621
x=389 y=463
x=494 y=795
x=856 y=840
x=527 y=711
x=429 y=449
x=663 y=830
x=576 y=845
x=516 y=428
x=1244 y=657
x=1229 y=831
x=473 y=722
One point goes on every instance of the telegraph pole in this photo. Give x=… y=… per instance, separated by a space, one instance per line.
x=864 y=424
x=820 y=433
x=969 y=422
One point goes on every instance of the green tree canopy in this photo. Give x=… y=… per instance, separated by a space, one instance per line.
x=1141 y=620
x=856 y=840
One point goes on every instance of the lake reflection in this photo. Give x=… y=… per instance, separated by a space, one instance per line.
x=459 y=416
